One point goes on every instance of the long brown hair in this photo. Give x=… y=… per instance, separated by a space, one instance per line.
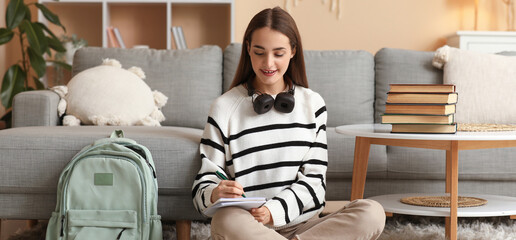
x=279 y=20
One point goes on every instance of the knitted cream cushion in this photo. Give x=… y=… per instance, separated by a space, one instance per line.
x=110 y=95
x=486 y=84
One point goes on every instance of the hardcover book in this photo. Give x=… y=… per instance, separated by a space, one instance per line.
x=409 y=108
x=432 y=88
x=417 y=119
x=444 y=98
x=424 y=128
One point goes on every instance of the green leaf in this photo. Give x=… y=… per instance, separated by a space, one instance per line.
x=12 y=84
x=38 y=83
x=15 y=13
x=48 y=52
x=50 y=16
x=55 y=44
x=35 y=36
x=37 y=62
x=62 y=64
x=46 y=29
x=5 y=35
x=28 y=14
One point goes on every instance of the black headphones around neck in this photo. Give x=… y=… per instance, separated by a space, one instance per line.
x=264 y=102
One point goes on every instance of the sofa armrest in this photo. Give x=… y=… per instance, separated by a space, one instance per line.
x=35 y=108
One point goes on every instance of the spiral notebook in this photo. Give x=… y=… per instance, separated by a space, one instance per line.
x=245 y=203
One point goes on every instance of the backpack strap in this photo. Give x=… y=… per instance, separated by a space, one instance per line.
x=117 y=136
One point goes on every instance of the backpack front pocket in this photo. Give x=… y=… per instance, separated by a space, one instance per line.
x=102 y=224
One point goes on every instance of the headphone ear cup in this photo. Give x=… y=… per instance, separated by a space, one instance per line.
x=263 y=103
x=284 y=102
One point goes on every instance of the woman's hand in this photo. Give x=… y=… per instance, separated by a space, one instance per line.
x=227 y=189
x=262 y=215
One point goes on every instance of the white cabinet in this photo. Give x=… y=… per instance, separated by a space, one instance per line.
x=146 y=22
x=484 y=41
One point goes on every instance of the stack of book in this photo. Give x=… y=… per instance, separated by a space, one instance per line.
x=421 y=108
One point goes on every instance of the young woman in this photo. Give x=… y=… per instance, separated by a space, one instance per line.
x=267 y=134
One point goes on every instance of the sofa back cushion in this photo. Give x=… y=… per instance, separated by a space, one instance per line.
x=402 y=66
x=191 y=79
x=344 y=78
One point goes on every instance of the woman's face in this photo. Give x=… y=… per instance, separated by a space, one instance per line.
x=270 y=54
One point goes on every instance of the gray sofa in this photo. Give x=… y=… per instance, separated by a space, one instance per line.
x=353 y=84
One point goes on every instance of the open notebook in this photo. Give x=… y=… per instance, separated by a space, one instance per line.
x=245 y=203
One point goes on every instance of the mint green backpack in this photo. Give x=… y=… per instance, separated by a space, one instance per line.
x=107 y=191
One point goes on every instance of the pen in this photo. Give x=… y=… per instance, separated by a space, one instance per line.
x=221 y=176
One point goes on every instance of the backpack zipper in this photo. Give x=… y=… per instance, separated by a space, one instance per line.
x=120 y=234
x=62 y=225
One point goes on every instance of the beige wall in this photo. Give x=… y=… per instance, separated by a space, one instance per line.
x=373 y=24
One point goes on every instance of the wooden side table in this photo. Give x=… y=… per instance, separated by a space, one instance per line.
x=367 y=134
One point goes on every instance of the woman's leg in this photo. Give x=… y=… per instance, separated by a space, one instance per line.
x=360 y=219
x=232 y=223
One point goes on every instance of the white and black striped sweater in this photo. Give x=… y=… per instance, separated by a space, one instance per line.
x=280 y=156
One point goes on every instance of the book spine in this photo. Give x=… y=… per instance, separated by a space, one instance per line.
x=176 y=38
x=119 y=37
x=112 y=38
x=182 y=38
x=418 y=119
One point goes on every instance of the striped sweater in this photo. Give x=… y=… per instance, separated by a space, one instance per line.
x=280 y=156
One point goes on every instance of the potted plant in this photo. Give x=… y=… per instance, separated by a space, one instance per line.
x=36 y=40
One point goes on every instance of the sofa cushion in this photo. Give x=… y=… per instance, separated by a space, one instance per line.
x=231 y=58
x=402 y=66
x=485 y=83
x=191 y=79
x=39 y=154
x=108 y=94
x=341 y=151
x=483 y=164
x=344 y=78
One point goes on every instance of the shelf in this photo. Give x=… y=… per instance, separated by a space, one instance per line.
x=140 y=23
x=495 y=206
x=86 y=23
x=146 y=22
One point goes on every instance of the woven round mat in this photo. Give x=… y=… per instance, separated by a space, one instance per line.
x=443 y=201
x=474 y=127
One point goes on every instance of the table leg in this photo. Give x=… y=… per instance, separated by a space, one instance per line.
x=362 y=146
x=452 y=185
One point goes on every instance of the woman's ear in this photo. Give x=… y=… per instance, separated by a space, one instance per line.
x=247 y=46
x=293 y=52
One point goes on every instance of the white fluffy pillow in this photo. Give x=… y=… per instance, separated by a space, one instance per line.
x=486 y=84
x=110 y=95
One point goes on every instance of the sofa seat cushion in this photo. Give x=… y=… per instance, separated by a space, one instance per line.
x=33 y=157
x=341 y=150
x=483 y=164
